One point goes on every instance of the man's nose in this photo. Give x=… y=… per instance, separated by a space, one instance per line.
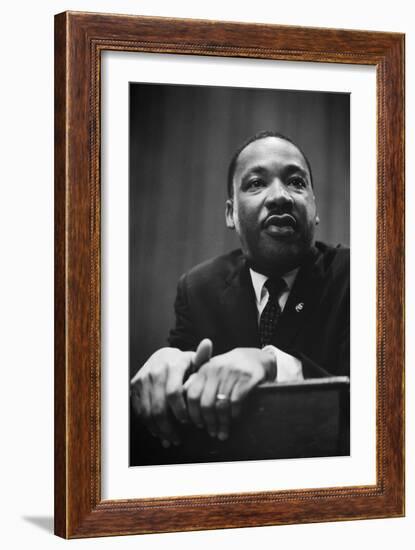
x=277 y=193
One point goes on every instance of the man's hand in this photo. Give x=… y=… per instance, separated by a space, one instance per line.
x=157 y=389
x=216 y=392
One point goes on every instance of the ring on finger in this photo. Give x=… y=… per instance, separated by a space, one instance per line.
x=222 y=400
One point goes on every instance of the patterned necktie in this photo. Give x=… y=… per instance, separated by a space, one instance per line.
x=272 y=311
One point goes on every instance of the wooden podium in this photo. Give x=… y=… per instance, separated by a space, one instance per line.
x=293 y=420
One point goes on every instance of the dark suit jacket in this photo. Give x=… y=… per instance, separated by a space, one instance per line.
x=216 y=300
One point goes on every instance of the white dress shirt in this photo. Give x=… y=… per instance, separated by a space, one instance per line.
x=289 y=368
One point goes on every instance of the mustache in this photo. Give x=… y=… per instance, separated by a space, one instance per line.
x=280 y=217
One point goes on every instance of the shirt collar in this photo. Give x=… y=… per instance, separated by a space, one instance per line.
x=258 y=281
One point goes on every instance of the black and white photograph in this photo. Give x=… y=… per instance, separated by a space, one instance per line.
x=188 y=191
x=239 y=273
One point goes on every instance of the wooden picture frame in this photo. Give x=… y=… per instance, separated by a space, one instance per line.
x=79 y=40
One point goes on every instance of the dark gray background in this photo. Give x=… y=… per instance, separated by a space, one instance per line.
x=181 y=141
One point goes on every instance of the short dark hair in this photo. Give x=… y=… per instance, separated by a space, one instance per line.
x=260 y=135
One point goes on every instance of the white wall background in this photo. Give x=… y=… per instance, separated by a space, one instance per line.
x=26 y=275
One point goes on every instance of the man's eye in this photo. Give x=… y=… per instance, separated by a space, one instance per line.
x=297 y=182
x=255 y=184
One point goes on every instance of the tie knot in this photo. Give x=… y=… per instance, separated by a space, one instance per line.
x=275 y=288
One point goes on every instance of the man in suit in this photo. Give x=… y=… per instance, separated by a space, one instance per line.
x=276 y=310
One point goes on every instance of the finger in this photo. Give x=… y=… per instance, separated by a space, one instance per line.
x=239 y=392
x=208 y=402
x=135 y=400
x=189 y=381
x=141 y=400
x=175 y=392
x=161 y=415
x=143 y=388
x=223 y=407
x=203 y=353
x=193 y=394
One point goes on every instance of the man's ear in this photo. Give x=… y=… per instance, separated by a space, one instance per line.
x=229 y=214
x=317 y=220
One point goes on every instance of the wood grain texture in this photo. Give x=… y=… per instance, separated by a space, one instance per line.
x=79 y=39
x=59 y=283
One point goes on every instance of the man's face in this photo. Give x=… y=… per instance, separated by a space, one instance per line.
x=273 y=208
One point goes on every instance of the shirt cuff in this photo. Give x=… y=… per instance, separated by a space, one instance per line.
x=289 y=368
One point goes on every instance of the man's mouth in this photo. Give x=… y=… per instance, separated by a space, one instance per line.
x=280 y=224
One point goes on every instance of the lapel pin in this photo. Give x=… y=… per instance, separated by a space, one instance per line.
x=299 y=307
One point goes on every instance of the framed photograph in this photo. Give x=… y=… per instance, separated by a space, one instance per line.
x=229 y=280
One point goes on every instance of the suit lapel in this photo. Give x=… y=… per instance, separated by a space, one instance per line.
x=302 y=301
x=240 y=313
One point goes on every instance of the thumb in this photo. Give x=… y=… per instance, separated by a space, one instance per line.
x=203 y=353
